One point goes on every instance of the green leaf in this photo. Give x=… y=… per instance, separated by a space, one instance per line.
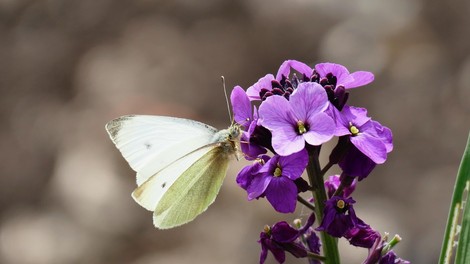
x=457 y=235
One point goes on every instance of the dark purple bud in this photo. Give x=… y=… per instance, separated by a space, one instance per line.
x=315 y=76
x=323 y=81
x=276 y=84
x=305 y=78
x=277 y=91
x=341 y=97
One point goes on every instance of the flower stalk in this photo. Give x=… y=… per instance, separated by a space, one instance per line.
x=330 y=245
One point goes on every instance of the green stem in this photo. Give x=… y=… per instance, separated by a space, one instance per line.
x=315 y=256
x=326 y=168
x=301 y=200
x=330 y=245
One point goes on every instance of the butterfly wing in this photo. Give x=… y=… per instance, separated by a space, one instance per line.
x=149 y=193
x=194 y=190
x=151 y=143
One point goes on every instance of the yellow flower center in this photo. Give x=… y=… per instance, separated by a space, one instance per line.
x=277 y=172
x=353 y=129
x=340 y=204
x=301 y=129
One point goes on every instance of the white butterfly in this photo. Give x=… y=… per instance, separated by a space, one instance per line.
x=180 y=163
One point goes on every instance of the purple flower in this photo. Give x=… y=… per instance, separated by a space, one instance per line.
x=339 y=216
x=370 y=137
x=299 y=120
x=278 y=239
x=244 y=116
x=362 y=235
x=276 y=179
x=282 y=237
x=334 y=182
x=337 y=75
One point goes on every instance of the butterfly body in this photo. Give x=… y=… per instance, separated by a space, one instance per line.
x=180 y=163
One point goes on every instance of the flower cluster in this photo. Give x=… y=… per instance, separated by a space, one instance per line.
x=285 y=120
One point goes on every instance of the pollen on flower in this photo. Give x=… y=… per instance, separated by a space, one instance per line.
x=297 y=223
x=354 y=130
x=340 y=204
x=277 y=172
x=267 y=229
x=301 y=128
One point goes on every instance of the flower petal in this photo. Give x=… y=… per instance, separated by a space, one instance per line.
x=277 y=116
x=385 y=134
x=286 y=142
x=296 y=65
x=309 y=98
x=372 y=147
x=337 y=70
x=283 y=232
x=254 y=90
x=258 y=185
x=276 y=112
x=264 y=253
x=245 y=176
x=355 y=115
x=356 y=79
x=278 y=253
x=282 y=194
x=241 y=106
x=321 y=129
x=356 y=164
x=293 y=166
x=342 y=125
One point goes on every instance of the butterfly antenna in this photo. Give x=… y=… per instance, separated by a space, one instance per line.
x=226 y=100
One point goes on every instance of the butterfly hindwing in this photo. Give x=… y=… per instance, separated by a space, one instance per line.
x=149 y=193
x=193 y=191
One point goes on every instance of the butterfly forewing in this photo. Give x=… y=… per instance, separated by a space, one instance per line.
x=150 y=143
x=180 y=163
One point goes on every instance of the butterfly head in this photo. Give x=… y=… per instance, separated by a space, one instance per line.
x=229 y=139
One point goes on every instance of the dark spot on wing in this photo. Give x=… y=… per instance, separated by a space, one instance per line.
x=163 y=185
x=148 y=146
x=115 y=125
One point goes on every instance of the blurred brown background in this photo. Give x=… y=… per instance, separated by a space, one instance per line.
x=70 y=66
